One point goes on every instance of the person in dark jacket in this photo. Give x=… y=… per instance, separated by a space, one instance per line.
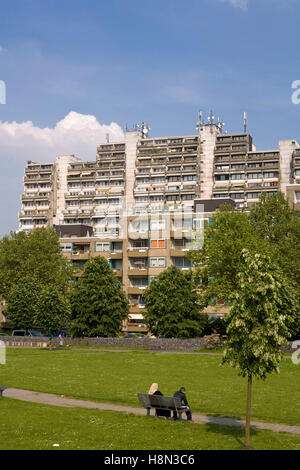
x=158 y=412
x=181 y=394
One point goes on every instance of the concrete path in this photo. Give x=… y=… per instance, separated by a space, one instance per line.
x=60 y=400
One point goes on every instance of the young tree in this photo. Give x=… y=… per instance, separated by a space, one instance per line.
x=256 y=326
x=172 y=305
x=36 y=254
x=52 y=310
x=21 y=303
x=99 y=304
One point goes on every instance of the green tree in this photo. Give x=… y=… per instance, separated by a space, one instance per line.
x=98 y=303
x=21 y=303
x=52 y=311
x=219 y=261
x=271 y=228
x=256 y=326
x=36 y=254
x=172 y=305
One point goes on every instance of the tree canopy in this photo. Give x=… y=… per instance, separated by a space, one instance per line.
x=98 y=303
x=271 y=228
x=172 y=305
x=35 y=254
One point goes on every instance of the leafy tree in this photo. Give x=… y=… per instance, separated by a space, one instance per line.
x=275 y=221
x=218 y=262
x=21 y=303
x=98 y=302
x=256 y=326
x=272 y=229
x=172 y=305
x=52 y=310
x=36 y=254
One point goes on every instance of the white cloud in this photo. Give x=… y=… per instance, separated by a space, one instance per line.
x=76 y=134
x=241 y=4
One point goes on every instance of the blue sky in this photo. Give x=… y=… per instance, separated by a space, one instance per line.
x=125 y=61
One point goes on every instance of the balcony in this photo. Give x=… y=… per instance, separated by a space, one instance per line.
x=138 y=271
x=137 y=252
x=136 y=290
x=118 y=272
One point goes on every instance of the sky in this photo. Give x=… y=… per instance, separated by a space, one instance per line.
x=72 y=71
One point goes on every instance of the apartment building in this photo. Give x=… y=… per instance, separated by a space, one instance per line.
x=141 y=201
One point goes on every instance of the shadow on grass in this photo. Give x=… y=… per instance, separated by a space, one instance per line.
x=237 y=432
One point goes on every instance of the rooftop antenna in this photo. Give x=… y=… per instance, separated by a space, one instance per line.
x=107 y=138
x=245 y=122
x=126 y=128
x=145 y=130
x=211 y=119
x=200 y=123
x=221 y=124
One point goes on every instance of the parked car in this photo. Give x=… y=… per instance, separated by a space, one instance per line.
x=26 y=333
x=133 y=335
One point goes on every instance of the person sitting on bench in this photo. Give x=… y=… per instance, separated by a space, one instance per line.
x=154 y=391
x=181 y=394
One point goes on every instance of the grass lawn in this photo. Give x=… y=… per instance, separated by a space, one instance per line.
x=117 y=377
x=31 y=426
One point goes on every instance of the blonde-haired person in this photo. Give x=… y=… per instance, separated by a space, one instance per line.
x=158 y=412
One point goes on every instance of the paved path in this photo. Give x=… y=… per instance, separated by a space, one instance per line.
x=60 y=400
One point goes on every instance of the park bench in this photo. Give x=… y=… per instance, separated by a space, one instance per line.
x=161 y=402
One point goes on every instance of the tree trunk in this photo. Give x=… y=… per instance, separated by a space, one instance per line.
x=248 y=413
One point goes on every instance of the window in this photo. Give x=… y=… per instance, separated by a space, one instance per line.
x=142 y=180
x=102 y=246
x=189 y=168
x=158 y=244
x=188 y=197
x=158 y=179
x=181 y=262
x=184 y=223
x=173 y=197
x=117 y=246
x=139 y=263
x=100 y=201
x=72 y=203
x=273 y=174
x=174 y=178
x=238 y=176
x=237 y=195
x=254 y=165
x=253 y=195
x=157 y=224
x=254 y=175
x=157 y=262
x=221 y=177
x=139 y=281
x=138 y=225
x=190 y=178
x=237 y=167
x=139 y=243
x=142 y=199
x=42 y=203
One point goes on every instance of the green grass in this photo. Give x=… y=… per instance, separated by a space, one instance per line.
x=32 y=426
x=117 y=377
